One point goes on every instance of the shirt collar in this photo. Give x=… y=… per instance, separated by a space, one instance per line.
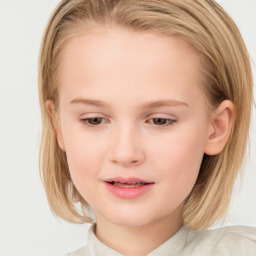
x=171 y=247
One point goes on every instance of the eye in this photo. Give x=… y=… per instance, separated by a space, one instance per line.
x=163 y=122
x=98 y=121
x=92 y=122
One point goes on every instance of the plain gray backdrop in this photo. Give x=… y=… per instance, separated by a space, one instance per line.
x=27 y=226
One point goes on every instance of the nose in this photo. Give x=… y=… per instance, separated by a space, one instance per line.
x=126 y=147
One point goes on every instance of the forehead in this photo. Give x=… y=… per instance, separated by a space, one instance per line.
x=121 y=61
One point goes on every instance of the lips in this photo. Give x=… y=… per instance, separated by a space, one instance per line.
x=128 y=188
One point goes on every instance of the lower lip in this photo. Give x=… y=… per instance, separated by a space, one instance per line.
x=128 y=193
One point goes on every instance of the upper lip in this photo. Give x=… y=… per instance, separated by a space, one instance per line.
x=128 y=180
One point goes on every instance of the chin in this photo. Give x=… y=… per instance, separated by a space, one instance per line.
x=131 y=223
x=131 y=219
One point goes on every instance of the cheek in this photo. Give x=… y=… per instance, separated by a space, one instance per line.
x=84 y=155
x=186 y=154
x=179 y=158
x=84 y=163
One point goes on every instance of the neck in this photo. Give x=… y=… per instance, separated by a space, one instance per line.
x=137 y=240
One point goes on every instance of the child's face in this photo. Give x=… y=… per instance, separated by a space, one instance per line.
x=126 y=70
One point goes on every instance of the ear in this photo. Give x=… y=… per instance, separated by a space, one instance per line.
x=221 y=123
x=50 y=107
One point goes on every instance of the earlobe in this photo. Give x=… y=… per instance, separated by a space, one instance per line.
x=50 y=107
x=221 y=124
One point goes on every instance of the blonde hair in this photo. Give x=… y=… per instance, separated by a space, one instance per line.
x=227 y=72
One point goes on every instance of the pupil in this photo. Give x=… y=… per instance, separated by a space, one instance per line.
x=160 y=120
x=95 y=120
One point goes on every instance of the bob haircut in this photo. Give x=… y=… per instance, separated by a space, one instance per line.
x=227 y=75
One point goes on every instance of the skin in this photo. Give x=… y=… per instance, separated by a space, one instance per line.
x=125 y=70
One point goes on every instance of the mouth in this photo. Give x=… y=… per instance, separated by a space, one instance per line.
x=134 y=184
x=128 y=182
x=128 y=188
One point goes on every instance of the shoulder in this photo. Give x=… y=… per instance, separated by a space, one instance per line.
x=231 y=240
x=80 y=252
x=230 y=231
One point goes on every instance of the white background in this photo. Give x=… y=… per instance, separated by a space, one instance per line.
x=27 y=226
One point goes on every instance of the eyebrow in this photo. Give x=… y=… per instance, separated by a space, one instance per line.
x=146 y=105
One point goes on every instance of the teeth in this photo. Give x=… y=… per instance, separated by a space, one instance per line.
x=128 y=185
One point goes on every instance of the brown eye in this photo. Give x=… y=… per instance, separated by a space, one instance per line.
x=95 y=121
x=159 y=121
x=162 y=122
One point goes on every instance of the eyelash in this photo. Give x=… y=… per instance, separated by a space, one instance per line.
x=84 y=121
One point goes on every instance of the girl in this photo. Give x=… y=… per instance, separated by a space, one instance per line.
x=146 y=110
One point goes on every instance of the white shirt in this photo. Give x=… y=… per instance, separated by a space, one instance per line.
x=225 y=241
